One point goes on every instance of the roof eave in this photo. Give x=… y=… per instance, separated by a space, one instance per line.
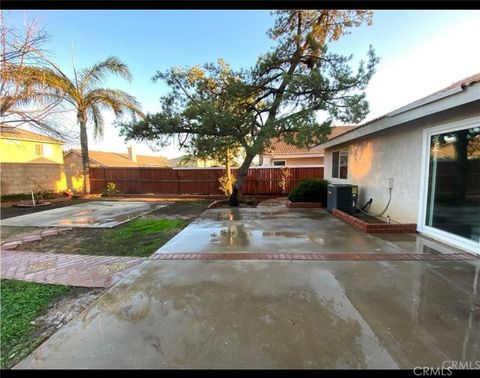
x=33 y=140
x=80 y=154
x=277 y=156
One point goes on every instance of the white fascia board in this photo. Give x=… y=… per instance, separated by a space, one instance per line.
x=405 y=114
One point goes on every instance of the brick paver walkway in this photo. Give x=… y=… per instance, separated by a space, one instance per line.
x=74 y=270
x=104 y=271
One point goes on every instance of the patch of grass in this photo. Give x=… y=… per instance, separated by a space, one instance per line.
x=142 y=237
x=22 y=302
x=145 y=227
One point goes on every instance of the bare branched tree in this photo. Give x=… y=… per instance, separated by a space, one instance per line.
x=25 y=102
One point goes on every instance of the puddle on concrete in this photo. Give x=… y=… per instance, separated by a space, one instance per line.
x=285 y=234
x=236 y=215
x=257 y=314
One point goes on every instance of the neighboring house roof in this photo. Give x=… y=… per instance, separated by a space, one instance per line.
x=20 y=134
x=282 y=148
x=178 y=159
x=115 y=159
x=416 y=109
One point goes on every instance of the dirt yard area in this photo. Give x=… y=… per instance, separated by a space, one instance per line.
x=12 y=211
x=139 y=237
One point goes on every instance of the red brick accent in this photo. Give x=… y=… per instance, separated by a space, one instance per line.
x=316 y=256
x=104 y=271
x=304 y=205
x=13 y=243
x=375 y=228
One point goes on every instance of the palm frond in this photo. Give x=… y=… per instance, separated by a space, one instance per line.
x=95 y=75
x=41 y=79
x=113 y=99
x=98 y=121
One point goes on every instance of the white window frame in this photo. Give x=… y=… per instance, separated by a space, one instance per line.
x=339 y=158
x=279 y=161
x=446 y=237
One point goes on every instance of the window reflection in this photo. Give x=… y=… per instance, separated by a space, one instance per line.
x=453 y=203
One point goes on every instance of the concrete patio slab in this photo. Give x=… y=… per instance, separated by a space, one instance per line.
x=283 y=230
x=93 y=214
x=276 y=314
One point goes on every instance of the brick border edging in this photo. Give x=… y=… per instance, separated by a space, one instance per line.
x=375 y=228
x=14 y=243
x=315 y=256
x=104 y=271
x=304 y=205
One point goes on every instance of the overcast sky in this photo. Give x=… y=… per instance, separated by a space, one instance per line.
x=421 y=51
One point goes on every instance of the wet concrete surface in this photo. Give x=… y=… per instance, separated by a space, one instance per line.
x=284 y=230
x=276 y=314
x=93 y=214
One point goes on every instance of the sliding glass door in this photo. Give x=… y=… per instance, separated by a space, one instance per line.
x=453 y=184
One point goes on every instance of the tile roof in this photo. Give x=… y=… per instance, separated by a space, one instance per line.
x=282 y=148
x=20 y=134
x=115 y=159
x=462 y=83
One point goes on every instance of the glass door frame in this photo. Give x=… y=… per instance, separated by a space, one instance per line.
x=447 y=237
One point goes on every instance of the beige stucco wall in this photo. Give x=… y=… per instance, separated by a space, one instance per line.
x=74 y=172
x=393 y=153
x=292 y=162
x=24 y=177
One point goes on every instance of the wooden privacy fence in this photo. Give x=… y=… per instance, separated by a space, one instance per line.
x=194 y=180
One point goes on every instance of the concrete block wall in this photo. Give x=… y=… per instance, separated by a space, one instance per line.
x=24 y=177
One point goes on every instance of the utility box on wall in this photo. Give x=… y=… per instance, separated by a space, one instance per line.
x=342 y=197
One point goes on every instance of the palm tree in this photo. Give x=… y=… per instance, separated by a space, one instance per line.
x=88 y=98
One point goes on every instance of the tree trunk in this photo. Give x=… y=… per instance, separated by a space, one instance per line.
x=257 y=147
x=241 y=174
x=82 y=120
x=228 y=171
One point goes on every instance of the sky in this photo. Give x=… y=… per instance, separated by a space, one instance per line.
x=421 y=52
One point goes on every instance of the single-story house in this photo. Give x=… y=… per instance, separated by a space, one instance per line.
x=74 y=170
x=30 y=162
x=283 y=154
x=186 y=161
x=419 y=164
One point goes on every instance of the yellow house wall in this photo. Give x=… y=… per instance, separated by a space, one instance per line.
x=23 y=151
x=206 y=163
x=199 y=163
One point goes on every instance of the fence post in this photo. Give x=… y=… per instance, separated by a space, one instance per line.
x=104 y=178
x=178 y=180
